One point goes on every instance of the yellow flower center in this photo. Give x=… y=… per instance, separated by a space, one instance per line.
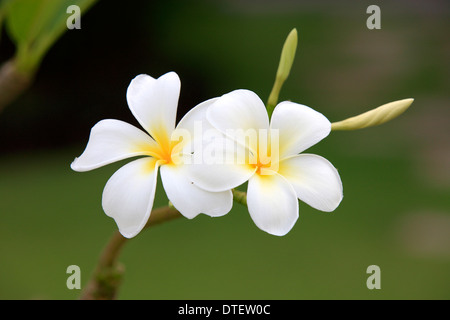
x=261 y=166
x=164 y=149
x=263 y=162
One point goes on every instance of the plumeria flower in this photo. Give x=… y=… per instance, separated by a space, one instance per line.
x=276 y=173
x=129 y=194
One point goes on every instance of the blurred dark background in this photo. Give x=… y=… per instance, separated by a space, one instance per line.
x=396 y=207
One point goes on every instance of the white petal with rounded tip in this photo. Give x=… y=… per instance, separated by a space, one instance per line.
x=195 y=116
x=240 y=115
x=299 y=127
x=110 y=141
x=191 y=200
x=314 y=179
x=129 y=193
x=154 y=103
x=272 y=203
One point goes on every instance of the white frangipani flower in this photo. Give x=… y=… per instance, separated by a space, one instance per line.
x=277 y=174
x=129 y=193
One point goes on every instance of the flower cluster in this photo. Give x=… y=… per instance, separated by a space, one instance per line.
x=217 y=146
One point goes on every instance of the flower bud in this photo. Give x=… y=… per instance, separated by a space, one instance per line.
x=284 y=68
x=374 y=117
x=287 y=55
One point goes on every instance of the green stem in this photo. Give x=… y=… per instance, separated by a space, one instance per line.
x=107 y=277
x=108 y=274
x=12 y=82
x=240 y=197
x=274 y=94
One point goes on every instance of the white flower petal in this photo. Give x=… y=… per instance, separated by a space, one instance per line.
x=212 y=157
x=154 y=103
x=220 y=177
x=193 y=127
x=195 y=116
x=110 y=141
x=272 y=203
x=220 y=164
x=240 y=115
x=191 y=200
x=300 y=127
x=129 y=193
x=314 y=179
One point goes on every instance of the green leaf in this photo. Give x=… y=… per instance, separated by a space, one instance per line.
x=22 y=16
x=34 y=25
x=4 y=6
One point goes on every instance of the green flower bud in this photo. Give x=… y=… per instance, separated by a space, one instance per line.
x=284 y=68
x=374 y=117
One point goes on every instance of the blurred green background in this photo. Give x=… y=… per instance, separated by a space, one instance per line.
x=396 y=177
